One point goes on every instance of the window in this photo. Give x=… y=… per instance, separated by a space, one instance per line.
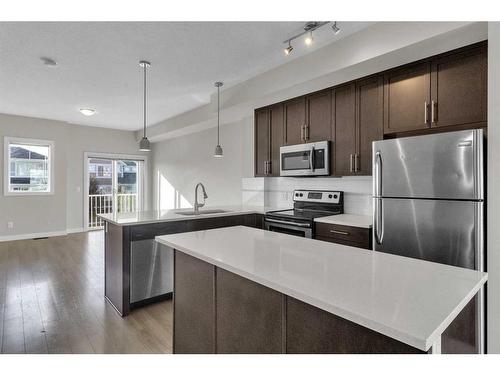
x=28 y=166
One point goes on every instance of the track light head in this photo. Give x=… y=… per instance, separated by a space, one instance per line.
x=335 y=28
x=309 y=40
x=288 y=49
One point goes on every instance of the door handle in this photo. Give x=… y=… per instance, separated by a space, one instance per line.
x=379 y=218
x=311 y=159
x=287 y=223
x=306 y=131
x=426 y=112
x=302 y=133
x=351 y=169
x=356 y=162
x=378 y=174
x=339 y=232
x=433 y=111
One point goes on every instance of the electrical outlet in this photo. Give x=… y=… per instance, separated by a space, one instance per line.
x=10 y=225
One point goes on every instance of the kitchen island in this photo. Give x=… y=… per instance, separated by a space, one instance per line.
x=137 y=269
x=245 y=290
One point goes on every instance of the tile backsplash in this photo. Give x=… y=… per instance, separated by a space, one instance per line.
x=277 y=191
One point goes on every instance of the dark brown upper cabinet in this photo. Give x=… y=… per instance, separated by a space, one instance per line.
x=319 y=117
x=459 y=88
x=442 y=93
x=277 y=130
x=262 y=142
x=407 y=98
x=358 y=121
x=369 y=121
x=343 y=130
x=269 y=129
x=295 y=120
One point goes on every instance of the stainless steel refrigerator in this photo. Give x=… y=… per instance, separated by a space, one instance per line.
x=428 y=202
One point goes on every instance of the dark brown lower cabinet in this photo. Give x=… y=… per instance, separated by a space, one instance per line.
x=249 y=316
x=312 y=330
x=216 y=311
x=344 y=234
x=194 y=328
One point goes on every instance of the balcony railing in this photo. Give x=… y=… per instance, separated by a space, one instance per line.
x=103 y=204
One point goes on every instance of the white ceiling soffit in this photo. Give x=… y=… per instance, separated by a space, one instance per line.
x=382 y=46
x=97 y=65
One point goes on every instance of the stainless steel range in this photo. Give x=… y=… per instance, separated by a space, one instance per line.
x=308 y=205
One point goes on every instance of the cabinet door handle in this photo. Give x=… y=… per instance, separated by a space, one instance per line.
x=269 y=167
x=265 y=167
x=306 y=128
x=302 y=133
x=433 y=110
x=339 y=232
x=426 y=112
x=356 y=162
x=351 y=167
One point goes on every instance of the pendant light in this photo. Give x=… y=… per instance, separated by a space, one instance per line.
x=218 y=148
x=144 y=143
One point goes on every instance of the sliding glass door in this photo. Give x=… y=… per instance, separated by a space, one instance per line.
x=114 y=185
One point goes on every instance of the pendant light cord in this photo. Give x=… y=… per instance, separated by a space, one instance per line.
x=218 y=114
x=144 y=101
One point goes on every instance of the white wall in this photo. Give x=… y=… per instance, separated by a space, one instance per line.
x=180 y=163
x=64 y=209
x=493 y=222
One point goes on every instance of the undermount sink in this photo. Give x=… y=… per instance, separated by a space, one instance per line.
x=202 y=212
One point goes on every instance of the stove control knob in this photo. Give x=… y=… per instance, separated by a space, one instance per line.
x=296 y=194
x=335 y=196
x=330 y=196
x=301 y=194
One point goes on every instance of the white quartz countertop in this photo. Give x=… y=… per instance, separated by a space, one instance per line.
x=148 y=217
x=410 y=300
x=360 y=221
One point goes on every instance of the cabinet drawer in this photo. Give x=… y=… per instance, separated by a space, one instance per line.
x=343 y=234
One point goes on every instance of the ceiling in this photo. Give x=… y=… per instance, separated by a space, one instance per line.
x=98 y=65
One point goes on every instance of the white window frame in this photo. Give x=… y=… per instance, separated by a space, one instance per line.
x=6 y=165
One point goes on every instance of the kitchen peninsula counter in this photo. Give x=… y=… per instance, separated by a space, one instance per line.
x=137 y=269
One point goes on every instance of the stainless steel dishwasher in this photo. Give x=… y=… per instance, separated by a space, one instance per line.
x=151 y=270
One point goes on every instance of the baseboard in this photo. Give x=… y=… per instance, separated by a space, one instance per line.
x=75 y=230
x=29 y=236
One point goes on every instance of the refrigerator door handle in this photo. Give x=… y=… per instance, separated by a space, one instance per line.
x=379 y=221
x=378 y=174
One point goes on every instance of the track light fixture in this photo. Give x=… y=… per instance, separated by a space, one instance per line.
x=309 y=27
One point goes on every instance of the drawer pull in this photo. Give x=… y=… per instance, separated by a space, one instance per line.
x=339 y=232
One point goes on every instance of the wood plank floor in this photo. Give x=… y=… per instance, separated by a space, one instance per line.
x=52 y=301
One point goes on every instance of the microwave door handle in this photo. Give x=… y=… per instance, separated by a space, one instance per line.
x=311 y=159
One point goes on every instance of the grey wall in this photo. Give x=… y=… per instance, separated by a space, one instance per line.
x=64 y=209
x=493 y=222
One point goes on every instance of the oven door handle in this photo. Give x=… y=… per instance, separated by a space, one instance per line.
x=302 y=225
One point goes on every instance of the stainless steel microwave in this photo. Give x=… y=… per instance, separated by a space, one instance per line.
x=308 y=159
